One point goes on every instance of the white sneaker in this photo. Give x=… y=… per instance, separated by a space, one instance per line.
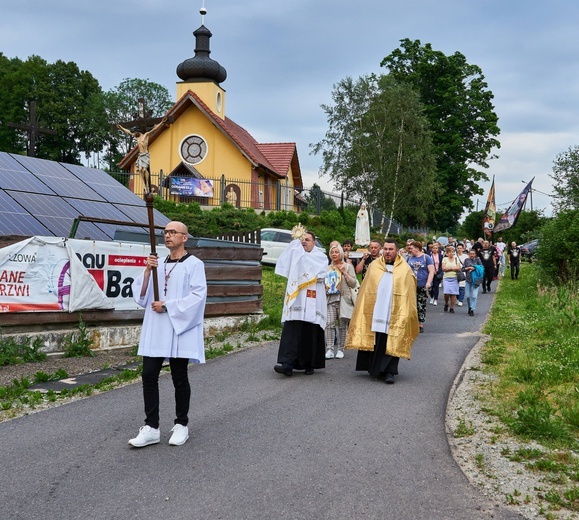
x=431 y=301
x=435 y=302
x=180 y=435
x=459 y=304
x=147 y=435
x=340 y=354
x=329 y=354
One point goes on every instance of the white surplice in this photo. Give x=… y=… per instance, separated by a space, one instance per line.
x=383 y=307
x=305 y=298
x=177 y=333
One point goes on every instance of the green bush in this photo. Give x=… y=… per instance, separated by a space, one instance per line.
x=334 y=224
x=12 y=352
x=78 y=344
x=558 y=254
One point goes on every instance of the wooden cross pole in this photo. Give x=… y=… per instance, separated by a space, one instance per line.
x=32 y=128
x=149 y=197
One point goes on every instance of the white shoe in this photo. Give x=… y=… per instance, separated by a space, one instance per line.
x=330 y=354
x=435 y=302
x=180 y=435
x=147 y=435
x=459 y=304
x=340 y=354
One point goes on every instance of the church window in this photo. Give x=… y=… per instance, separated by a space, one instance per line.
x=193 y=149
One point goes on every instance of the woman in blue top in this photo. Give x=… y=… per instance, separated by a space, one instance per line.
x=423 y=268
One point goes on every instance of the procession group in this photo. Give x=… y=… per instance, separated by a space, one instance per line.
x=326 y=310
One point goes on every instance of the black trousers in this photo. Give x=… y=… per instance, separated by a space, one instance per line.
x=377 y=362
x=488 y=277
x=151 y=370
x=302 y=345
x=514 y=271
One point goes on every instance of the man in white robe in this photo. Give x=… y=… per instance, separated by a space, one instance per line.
x=172 y=328
x=302 y=344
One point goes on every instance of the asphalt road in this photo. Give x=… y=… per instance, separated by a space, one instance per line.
x=335 y=445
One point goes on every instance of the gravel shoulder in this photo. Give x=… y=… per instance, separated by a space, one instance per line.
x=73 y=366
x=481 y=454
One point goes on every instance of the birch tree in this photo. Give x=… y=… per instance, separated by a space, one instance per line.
x=378 y=146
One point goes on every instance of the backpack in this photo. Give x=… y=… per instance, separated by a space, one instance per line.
x=477 y=275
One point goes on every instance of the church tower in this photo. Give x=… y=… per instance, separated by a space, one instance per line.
x=201 y=74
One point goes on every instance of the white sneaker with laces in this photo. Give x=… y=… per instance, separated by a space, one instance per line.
x=459 y=304
x=147 y=435
x=340 y=354
x=431 y=301
x=180 y=435
x=330 y=354
x=435 y=302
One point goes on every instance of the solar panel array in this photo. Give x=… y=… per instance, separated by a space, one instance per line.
x=40 y=197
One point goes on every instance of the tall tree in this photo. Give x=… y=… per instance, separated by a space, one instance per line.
x=459 y=108
x=121 y=104
x=566 y=177
x=63 y=95
x=378 y=146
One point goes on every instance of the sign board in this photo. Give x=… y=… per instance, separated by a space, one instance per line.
x=191 y=187
x=59 y=274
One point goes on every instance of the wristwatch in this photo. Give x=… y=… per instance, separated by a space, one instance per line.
x=164 y=307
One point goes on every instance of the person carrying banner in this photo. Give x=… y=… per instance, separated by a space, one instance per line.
x=173 y=329
x=489 y=262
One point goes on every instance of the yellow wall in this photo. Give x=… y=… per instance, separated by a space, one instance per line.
x=209 y=92
x=223 y=157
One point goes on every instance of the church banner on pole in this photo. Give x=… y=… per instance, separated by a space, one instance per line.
x=510 y=217
x=490 y=213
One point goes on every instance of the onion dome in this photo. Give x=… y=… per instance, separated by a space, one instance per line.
x=201 y=66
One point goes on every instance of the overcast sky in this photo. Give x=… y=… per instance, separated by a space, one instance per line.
x=283 y=57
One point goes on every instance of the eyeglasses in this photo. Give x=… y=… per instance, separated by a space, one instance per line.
x=172 y=232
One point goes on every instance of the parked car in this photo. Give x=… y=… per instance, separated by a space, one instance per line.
x=529 y=249
x=274 y=241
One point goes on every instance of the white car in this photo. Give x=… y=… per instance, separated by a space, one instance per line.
x=274 y=241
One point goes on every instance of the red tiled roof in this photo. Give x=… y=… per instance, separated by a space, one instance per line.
x=275 y=158
x=279 y=154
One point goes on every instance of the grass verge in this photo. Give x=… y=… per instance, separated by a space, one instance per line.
x=534 y=352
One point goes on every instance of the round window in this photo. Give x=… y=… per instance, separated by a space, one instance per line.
x=193 y=149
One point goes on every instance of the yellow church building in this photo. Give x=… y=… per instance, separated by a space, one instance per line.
x=204 y=156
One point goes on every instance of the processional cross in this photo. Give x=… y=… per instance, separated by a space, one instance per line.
x=32 y=128
x=143 y=126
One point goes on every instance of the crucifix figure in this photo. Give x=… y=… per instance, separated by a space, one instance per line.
x=142 y=165
x=32 y=128
x=144 y=125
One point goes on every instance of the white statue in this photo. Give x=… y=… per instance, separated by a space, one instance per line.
x=362 y=236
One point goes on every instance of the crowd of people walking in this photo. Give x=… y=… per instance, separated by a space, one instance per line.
x=397 y=286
